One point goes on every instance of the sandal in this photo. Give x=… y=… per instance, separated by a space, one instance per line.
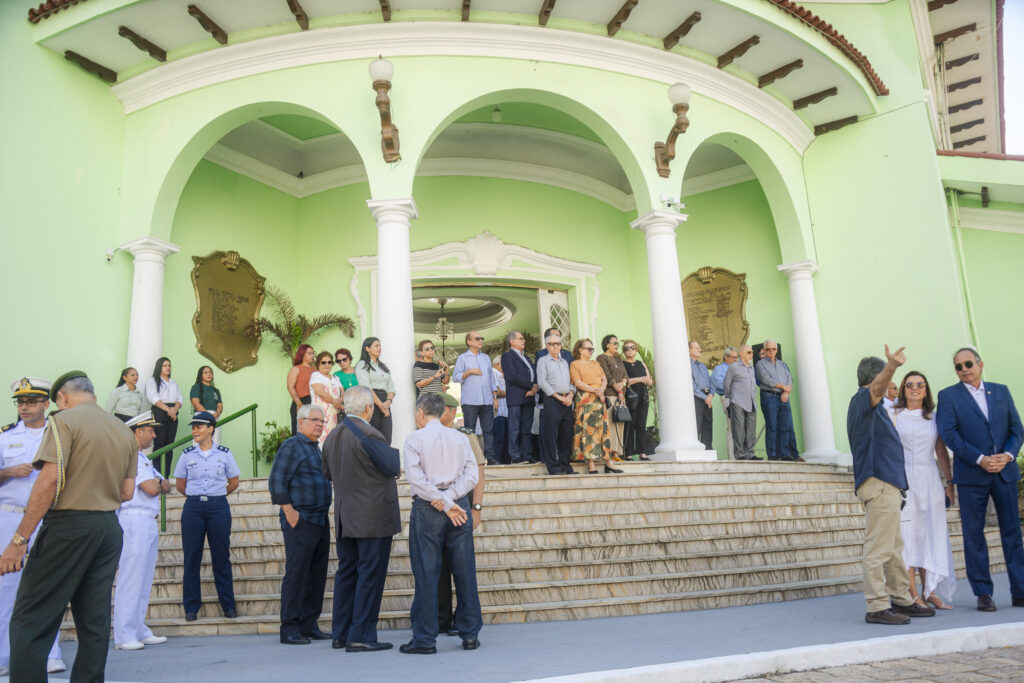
x=937 y=603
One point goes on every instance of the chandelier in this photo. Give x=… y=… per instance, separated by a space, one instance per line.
x=444 y=329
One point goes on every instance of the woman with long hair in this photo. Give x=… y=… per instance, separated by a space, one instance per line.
x=297 y=381
x=371 y=372
x=614 y=393
x=326 y=392
x=204 y=396
x=926 y=547
x=165 y=396
x=125 y=401
x=590 y=439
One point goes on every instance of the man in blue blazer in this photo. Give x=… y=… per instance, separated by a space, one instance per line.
x=980 y=424
x=520 y=395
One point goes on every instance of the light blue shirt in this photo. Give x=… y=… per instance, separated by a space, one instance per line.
x=206 y=472
x=477 y=390
x=553 y=375
x=718 y=378
x=439 y=463
x=701 y=379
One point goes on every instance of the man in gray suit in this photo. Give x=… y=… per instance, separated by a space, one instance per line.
x=363 y=468
x=740 y=385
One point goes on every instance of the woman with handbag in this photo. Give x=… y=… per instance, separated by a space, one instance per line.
x=614 y=393
x=371 y=372
x=591 y=437
x=637 y=400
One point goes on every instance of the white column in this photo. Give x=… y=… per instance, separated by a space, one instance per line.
x=815 y=406
x=146 y=324
x=394 y=305
x=676 y=416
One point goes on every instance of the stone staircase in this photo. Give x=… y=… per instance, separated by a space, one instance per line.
x=660 y=537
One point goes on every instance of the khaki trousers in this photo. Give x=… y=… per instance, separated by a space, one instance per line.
x=885 y=574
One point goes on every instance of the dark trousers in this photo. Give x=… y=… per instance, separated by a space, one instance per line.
x=202 y=521
x=381 y=423
x=634 y=440
x=779 y=438
x=307 y=548
x=520 y=422
x=744 y=431
x=73 y=561
x=501 y=439
x=166 y=433
x=359 y=588
x=485 y=413
x=294 y=410
x=431 y=538
x=705 y=421
x=973 y=501
x=556 y=430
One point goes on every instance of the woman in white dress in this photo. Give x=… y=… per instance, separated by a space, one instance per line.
x=326 y=391
x=926 y=549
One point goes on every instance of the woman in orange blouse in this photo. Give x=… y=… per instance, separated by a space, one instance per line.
x=590 y=442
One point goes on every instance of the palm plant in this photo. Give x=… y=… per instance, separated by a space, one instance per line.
x=292 y=329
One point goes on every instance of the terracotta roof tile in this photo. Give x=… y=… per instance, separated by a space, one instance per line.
x=49 y=7
x=839 y=40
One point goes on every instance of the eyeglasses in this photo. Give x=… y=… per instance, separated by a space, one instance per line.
x=29 y=401
x=554 y=343
x=478 y=338
x=614 y=342
x=342 y=360
x=966 y=364
x=586 y=348
x=428 y=348
x=771 y=348
x=629 y=347
x=314 y=420
x=916 y=385
x=326 y=362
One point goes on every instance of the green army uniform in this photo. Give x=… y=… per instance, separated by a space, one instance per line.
x=76 y=552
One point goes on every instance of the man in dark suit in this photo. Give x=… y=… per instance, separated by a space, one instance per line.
x=979 y=422
x=363 y=468
x=521 y=396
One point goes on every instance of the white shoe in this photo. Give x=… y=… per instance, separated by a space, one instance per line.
x=154 y=640
x=3 y=670
x=130 y=645
x=55 y=666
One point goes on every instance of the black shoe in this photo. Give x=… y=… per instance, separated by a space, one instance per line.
x=570 y=471
x=317 y=635
x=294 y=639
x=1018 y=602
x=410 y=649
x=230 y=613
x=451 y=631
x=492 y=461
x=886 y=616
x=608 y=469
x=985 y=604
x=914 y=610
x=592 y=471
x=367 y=647
x=645 y=458
x=191 y=616
x=470 y=644
x=338 y=644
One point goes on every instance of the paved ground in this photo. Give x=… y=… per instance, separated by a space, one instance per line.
x=1005 y=664
x=525 y=651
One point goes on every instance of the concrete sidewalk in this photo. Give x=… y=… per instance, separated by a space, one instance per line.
x=516 y=652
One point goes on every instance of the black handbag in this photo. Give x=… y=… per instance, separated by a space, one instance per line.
x=620 y=413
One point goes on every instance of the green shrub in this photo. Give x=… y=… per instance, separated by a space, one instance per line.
x=270 y=440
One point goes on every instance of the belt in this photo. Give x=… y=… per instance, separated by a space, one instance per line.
x=139 y=511
x=7 y=507
x=204 y=499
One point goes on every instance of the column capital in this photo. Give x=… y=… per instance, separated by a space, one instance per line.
x=658 y=222
x=150 y=246
x=800 y=270
x=405 y=206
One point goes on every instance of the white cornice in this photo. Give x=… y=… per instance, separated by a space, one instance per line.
x=459 y=39
x=992 y=219
x=740 y=173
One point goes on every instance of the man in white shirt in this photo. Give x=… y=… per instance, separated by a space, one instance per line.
x=441 y=472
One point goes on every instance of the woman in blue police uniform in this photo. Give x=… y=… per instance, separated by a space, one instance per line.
x=206 y=474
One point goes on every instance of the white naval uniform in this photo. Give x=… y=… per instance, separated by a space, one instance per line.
x=138 y=518
x=17 y=445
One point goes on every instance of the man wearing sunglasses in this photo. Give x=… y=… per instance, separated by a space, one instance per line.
x=979 y=423
x=473 y=372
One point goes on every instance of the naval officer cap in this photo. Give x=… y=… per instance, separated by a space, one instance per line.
x=203 y=417
x=142 y=420
x=30 y=386
x=64 y=379
x=450 y=401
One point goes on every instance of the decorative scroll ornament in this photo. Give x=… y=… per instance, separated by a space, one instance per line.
x=229 y=294
x=715 y=300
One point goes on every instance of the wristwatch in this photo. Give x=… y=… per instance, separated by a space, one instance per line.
x=478 y=507
x=18 y=539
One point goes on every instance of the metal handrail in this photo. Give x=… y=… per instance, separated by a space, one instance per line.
x=186 y=439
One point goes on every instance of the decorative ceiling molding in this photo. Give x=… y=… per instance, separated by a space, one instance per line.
x=460 y=39
x=992 y=219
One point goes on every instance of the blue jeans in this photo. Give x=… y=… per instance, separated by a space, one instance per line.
x=485 y=414
x=779 y=439
x=520 y=421
x=431 y=536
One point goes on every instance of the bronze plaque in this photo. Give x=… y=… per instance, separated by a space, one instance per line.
x=715 y=301
x=229 y=294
